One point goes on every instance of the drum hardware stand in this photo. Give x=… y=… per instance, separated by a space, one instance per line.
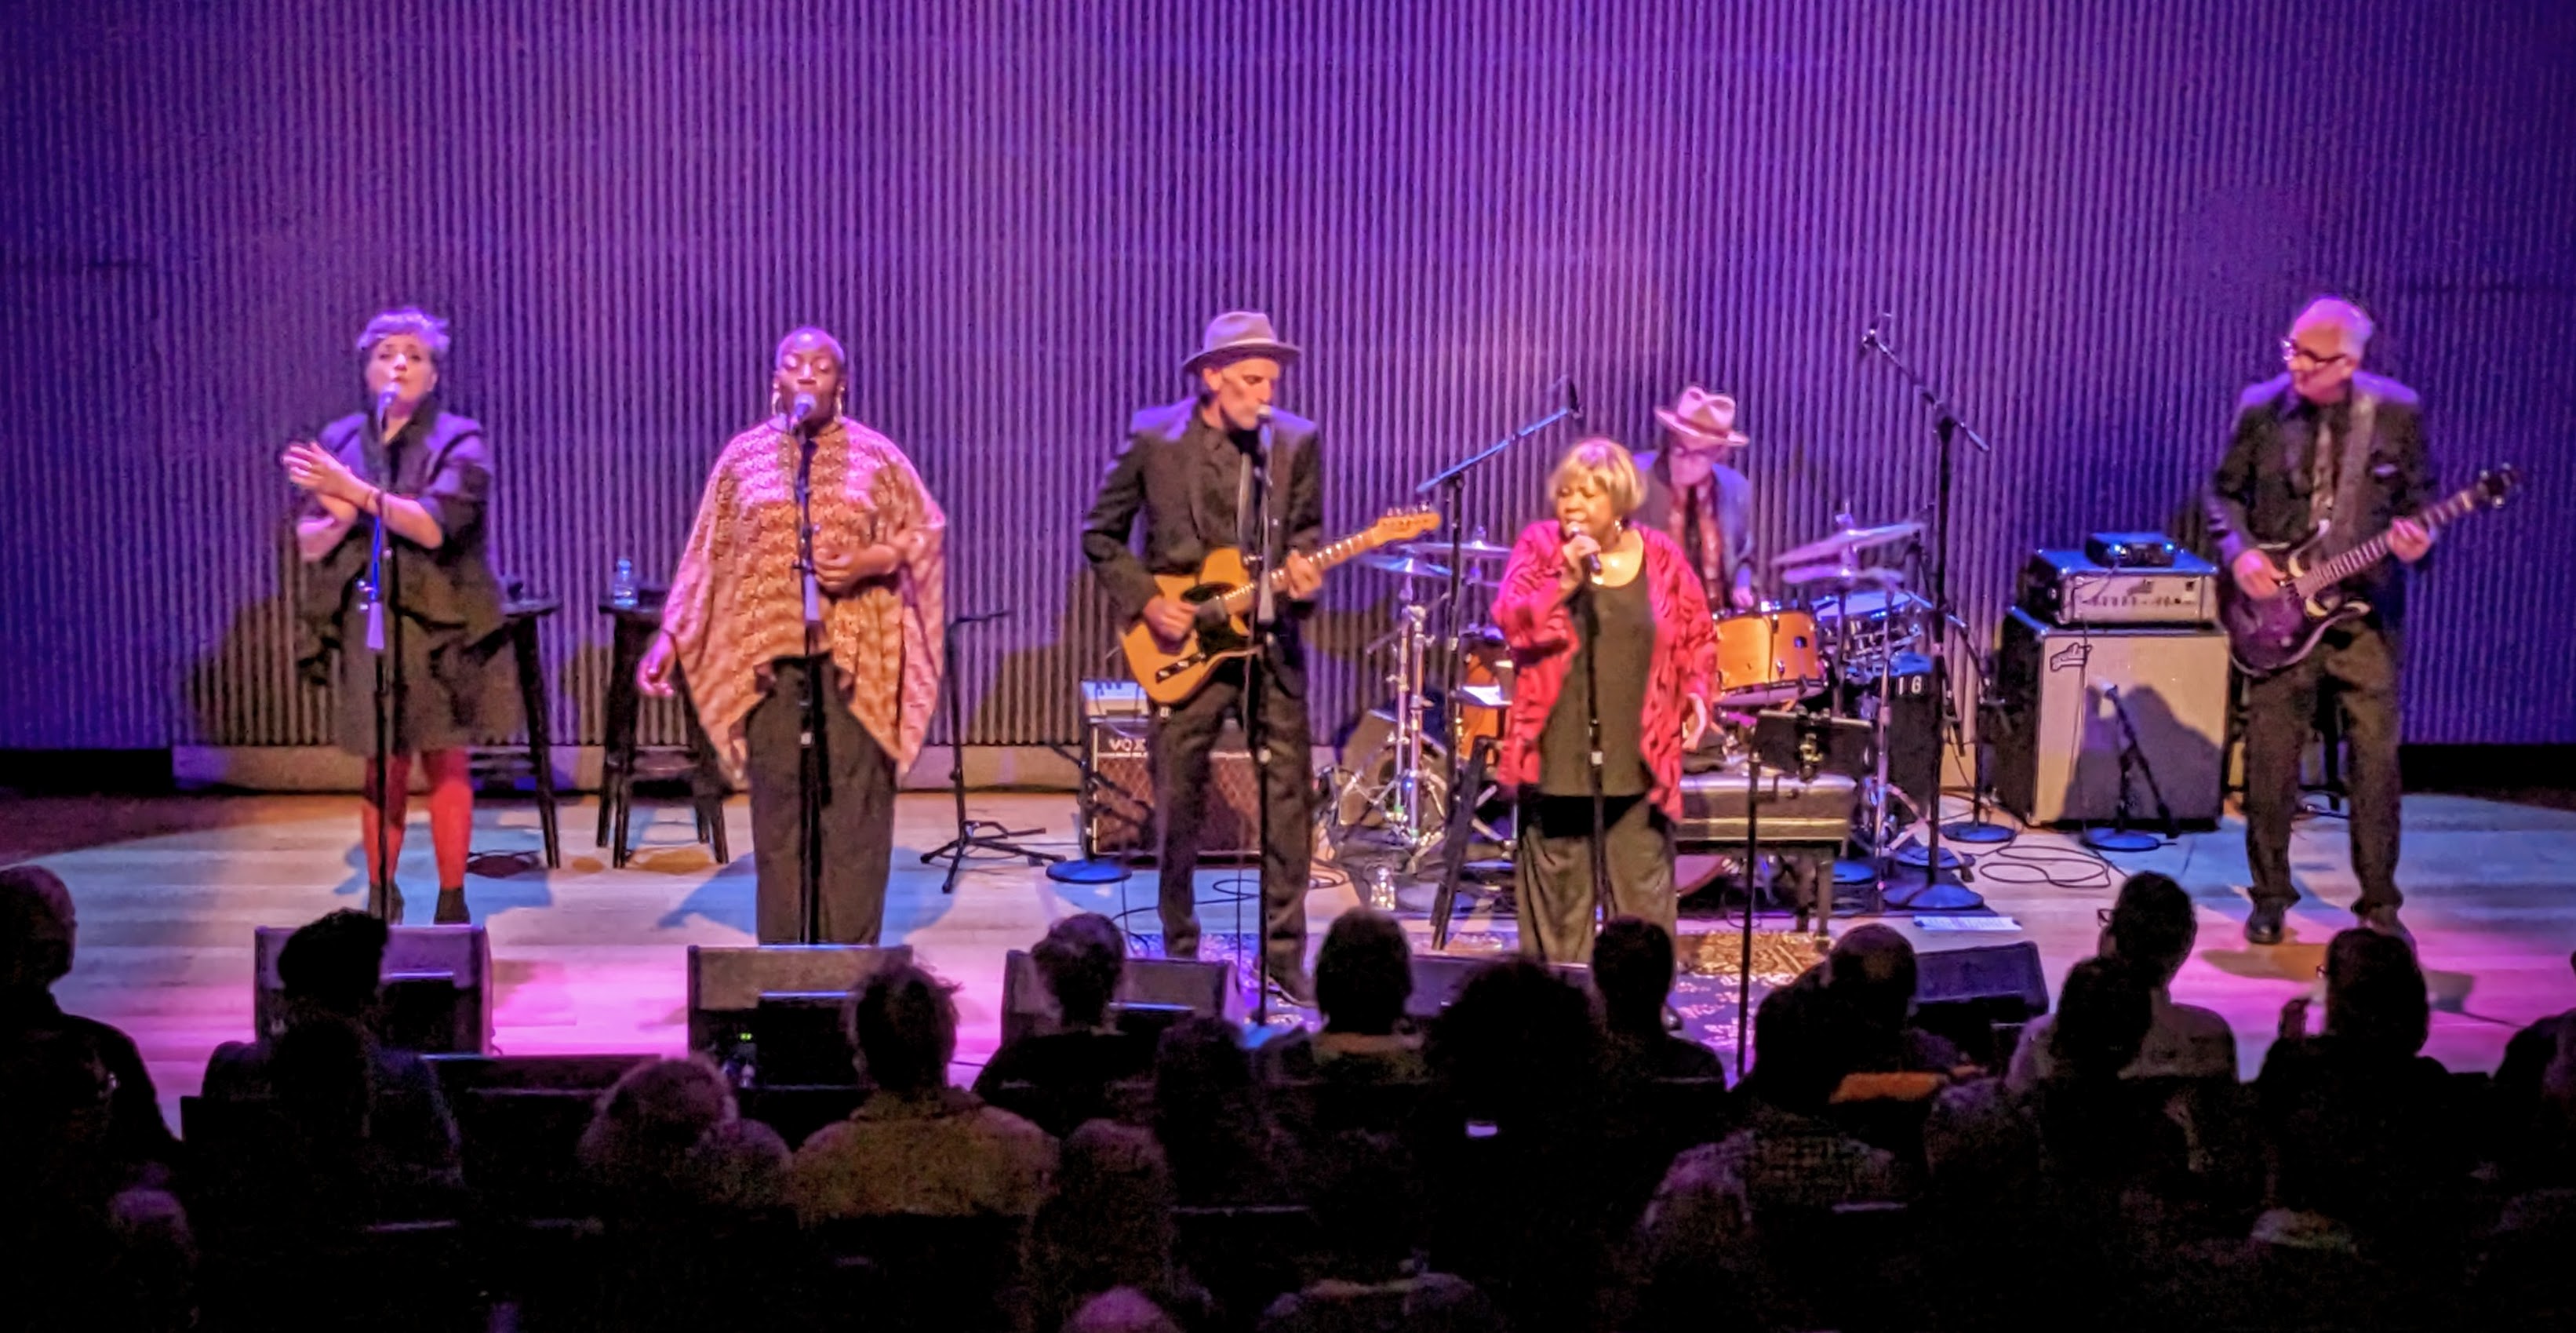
x=2120 y=837
x=1451 y=483
x=1976 y=829
x=971 y=837
x=1946 y=428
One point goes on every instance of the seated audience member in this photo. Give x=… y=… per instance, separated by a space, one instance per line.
x=2063 y=1152
x=2365 y=1154
x=1787 y=1158
x=1369 y=1205
x=1632 y=969
x=1108 y=1226
x=1124 y=1310
x=917 y=1145
x=373 y=1136
x=2533 y=1109
x=668 y=1139
x=1525 y=1204
x=1068 y=1070
x=2152 y=929
x=1873 y=970
x=39 y=936
x=1363 y=977
x=1210 y=1118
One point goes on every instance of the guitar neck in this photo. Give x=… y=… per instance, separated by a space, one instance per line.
x=2371 y=552
x=1240 y=600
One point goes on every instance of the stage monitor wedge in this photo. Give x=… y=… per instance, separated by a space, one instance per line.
x=438 y=988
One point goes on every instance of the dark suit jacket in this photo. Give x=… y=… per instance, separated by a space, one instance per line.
x=1155 y=475
x=2260 y=493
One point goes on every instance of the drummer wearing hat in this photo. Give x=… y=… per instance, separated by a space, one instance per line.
x=1694 y=497
x=1188 y=468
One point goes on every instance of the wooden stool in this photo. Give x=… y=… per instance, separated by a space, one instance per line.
x=622 y=760
x=521 y=614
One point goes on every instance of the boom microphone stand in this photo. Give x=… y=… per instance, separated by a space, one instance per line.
x=1946 y=428
x=2133 y=756
x=1451 y=482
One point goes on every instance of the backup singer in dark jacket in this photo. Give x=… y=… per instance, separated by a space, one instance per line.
x=1186 y=468
x=2324 y=444
x=426 y=471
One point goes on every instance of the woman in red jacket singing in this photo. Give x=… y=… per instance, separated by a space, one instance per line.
x=1650 y=669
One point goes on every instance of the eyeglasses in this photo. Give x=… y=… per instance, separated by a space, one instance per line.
x=2301 y=358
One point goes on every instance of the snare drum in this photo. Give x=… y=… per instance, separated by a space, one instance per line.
x=1767 y=656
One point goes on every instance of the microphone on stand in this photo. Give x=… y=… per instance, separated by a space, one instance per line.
x=385 y=403
x=1869 y=341
x=797 y=411
x=1573 y=399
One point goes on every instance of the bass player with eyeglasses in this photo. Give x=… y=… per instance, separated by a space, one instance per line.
x=1186 y=467
x=2324 y=448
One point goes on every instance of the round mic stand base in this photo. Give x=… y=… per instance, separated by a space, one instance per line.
x=1910 y=892
x=1086 y=872
x=1849 y=871
x=1976 y=832
x=2121 y=840
x=1915 y=855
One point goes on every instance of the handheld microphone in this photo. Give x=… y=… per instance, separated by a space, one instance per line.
x=797 y=411
x=1591 y=561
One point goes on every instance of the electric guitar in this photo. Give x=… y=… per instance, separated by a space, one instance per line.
x=2272 y=634
x=1172 y=672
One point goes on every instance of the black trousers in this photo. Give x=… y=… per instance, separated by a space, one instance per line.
x=2356 y=666
x=1183 y=738
x=858 y=811
x=1552 y=870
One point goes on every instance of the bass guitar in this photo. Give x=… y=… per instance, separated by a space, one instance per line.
x=2272 y=634
x=1222 y=590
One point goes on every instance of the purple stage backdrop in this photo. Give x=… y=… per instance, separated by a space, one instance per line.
x=2091 y=220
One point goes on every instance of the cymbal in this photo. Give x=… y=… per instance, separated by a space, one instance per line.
x=1845 y=542
x=1845 y=572
x=1466 y=550
x=1405 y=565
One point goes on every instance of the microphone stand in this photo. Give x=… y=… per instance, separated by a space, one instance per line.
x=1976 y=828
x=1451 y=482
x=383 y=572
x=2120 y=837
x=970 y=839
x=1946 y=428
x=813 y=771
x=1591 y=648
x=1256 y=720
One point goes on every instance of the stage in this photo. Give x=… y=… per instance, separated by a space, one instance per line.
x=589 y=958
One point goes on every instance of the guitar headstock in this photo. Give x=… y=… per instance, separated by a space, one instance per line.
x=1396 y=525
x=2496 y=483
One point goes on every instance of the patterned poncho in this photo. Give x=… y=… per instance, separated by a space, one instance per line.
x=737 y=602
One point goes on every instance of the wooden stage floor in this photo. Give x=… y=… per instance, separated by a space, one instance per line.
x=589 y=958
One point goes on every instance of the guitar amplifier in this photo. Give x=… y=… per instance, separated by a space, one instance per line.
x=2064 y=587
x=2057 y=734
x=1118 y=805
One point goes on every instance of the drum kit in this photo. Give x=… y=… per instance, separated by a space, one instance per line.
x=1829 y=647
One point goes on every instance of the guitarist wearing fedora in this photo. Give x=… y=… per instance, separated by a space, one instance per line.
x=1187 y=467
x=2324 y=444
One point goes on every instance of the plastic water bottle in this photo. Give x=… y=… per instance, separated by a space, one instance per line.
x=621 y=584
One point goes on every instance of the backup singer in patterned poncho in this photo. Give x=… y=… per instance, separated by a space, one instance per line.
x=735 y=626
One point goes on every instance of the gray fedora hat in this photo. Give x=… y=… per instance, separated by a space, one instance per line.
x=1237 y=334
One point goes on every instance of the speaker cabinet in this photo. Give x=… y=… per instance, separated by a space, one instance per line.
x=1118 y=812
x=438 y=988
x=1153 y=993
x=782 y=1000
x=2057 y=732
x=1438 y=977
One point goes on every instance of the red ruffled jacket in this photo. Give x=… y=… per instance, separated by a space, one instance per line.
x=1540 y=633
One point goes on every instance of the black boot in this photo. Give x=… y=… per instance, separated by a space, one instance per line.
x=451 y=907
x=2263 y=924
